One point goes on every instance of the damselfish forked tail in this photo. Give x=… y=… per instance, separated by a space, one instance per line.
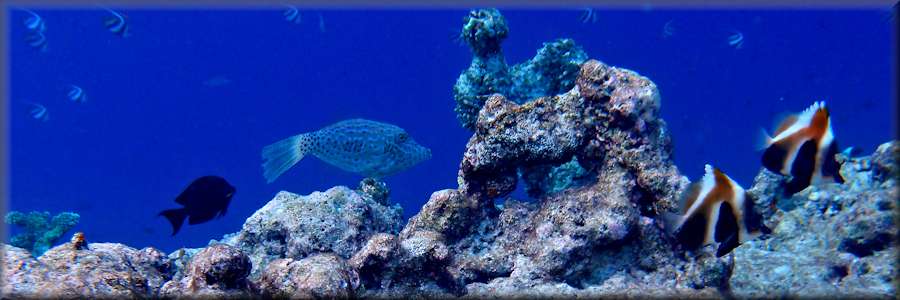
x=282 y=155
x=176 y=217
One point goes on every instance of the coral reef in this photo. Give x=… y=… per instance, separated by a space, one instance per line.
x=40 y=232
x=99 y=270
x=835 y=238
x=597 y=159
x=588 y=241
x=218 y=270
x=317 y=276
x=339 y=220
x=594 y=238
x=548 y=179
x=552 y=71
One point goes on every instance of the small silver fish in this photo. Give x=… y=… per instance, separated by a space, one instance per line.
x=736 y=40
x=35 y=22
x=217 y=81
x=292 y=14
x=321 y=23
x=588 y=15
x=39 y=112
x=37 y=40
x=76 y=94
x=668 y=29
x=117 y=23
x=365 y=147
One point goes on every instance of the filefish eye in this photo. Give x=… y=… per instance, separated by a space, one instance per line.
x=403 y=137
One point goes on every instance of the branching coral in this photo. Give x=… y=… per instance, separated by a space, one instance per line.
x=40 y=232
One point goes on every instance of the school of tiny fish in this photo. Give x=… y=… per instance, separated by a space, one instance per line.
x=36 y=28
x=209 y=196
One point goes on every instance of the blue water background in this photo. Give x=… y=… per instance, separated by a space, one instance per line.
x=151 y=125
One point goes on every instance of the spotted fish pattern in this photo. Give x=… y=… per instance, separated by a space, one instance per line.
x=369 y=148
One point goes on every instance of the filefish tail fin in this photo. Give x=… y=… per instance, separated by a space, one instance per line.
x=176 y=217
x=282 y=155
x=763 y=141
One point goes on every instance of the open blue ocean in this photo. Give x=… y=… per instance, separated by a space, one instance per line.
x=194 y=92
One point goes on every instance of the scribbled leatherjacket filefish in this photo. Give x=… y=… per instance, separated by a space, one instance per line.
x=365 y=147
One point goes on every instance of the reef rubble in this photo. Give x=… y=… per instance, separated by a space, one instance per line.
x=597 y=159
x=338 y=220
x=833 y=239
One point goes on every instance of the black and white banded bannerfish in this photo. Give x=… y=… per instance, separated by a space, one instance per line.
x=736 y=39
x=76 y=94
x=37 y=40
x=803 y=148
x=39 y=112
x=668 y=29
x=715 y=210
x=292 y=14
x=588 y=15
x=34 y=22
x=117 y=23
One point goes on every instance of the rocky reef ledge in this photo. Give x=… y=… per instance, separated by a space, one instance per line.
x=596 y=232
